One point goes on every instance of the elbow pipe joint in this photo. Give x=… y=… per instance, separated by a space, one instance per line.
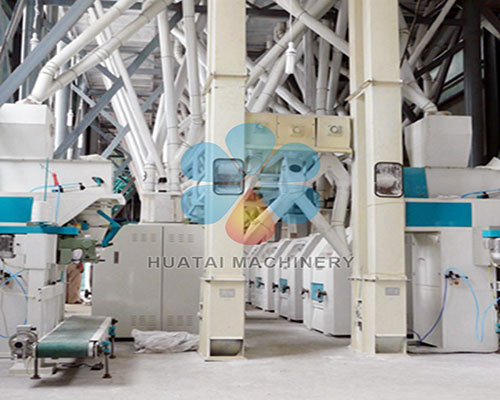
x=321 y=294
x=285 y=289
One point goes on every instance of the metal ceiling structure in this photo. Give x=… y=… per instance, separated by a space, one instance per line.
x=448 y=47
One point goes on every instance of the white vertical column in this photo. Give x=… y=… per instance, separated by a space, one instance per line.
x=379 y=285
x=222 y=325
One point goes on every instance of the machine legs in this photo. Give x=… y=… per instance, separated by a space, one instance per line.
x=106 y=348
x=35 y=376
x=106 y=375
x=112 y=336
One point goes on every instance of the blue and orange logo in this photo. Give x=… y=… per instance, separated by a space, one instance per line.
x=256 y=182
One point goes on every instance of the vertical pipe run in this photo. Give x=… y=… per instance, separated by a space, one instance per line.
x=192 y=70
x=492 y=92
x=310 y=70
x=333 y=80
x=170 y=103
x=28 y=17
x=321 y=87
x=61 y=107
x=473 y=78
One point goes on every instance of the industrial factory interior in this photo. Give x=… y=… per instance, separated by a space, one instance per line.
x=250 y=199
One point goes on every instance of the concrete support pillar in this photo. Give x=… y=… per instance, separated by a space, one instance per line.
x=222 y=324
x=379 y=299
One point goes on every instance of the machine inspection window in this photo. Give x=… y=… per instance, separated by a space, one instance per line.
x=388 y=179
x=229 y=176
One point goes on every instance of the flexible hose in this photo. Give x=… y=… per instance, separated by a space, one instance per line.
x=14 y=276
x=474 y=296
x=480 y=319
x=440 y=316
x=479 y=193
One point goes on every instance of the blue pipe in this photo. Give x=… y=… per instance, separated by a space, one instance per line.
x=440 y=316
x=479 y=328
x=480 y=192
x=474 y=296
x=54 y=186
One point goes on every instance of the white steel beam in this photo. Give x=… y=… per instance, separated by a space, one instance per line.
x=379 y=283
x=222 y=326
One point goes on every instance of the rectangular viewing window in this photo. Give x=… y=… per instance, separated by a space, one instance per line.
x=229 y=176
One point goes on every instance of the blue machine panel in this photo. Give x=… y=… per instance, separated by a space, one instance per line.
x=316 y=289
x=283 y=285
x=491 y=234
x=421 y=214
x=39 y=229
x=15 y=209
x=259 y=282
x=415 y=183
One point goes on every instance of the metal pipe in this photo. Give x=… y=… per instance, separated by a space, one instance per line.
x=180 y=81
x=61 y=106
x=272 y=83
x=254 y=93
x=159 y=124
x=309 y=69
x=322 y=83
x=182 y=40
x=440 y=79
x=411 y=90
x=293 y=101
x=317 y=10
x=333 y=81
x=429 y=34
x=130 y=97
x=132 y=145
x=338 y=175
x=473 y=78
x=46 y=85
x=492 y=92
x=281 y=91
x=170 y=105
x=12 y=27
x=51 y=68
x=294 y=8
x=31 y=62
x=192 y=70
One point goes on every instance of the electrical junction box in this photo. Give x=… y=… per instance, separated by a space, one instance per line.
x=296 y=129
x=325 y=134
x=266 y=120
x=149 y=279
x=333 y=134
x=26 y=131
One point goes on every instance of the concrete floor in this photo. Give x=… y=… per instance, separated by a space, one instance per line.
x=284 y=361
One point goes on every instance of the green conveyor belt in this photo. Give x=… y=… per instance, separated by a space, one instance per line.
x=71 y=338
